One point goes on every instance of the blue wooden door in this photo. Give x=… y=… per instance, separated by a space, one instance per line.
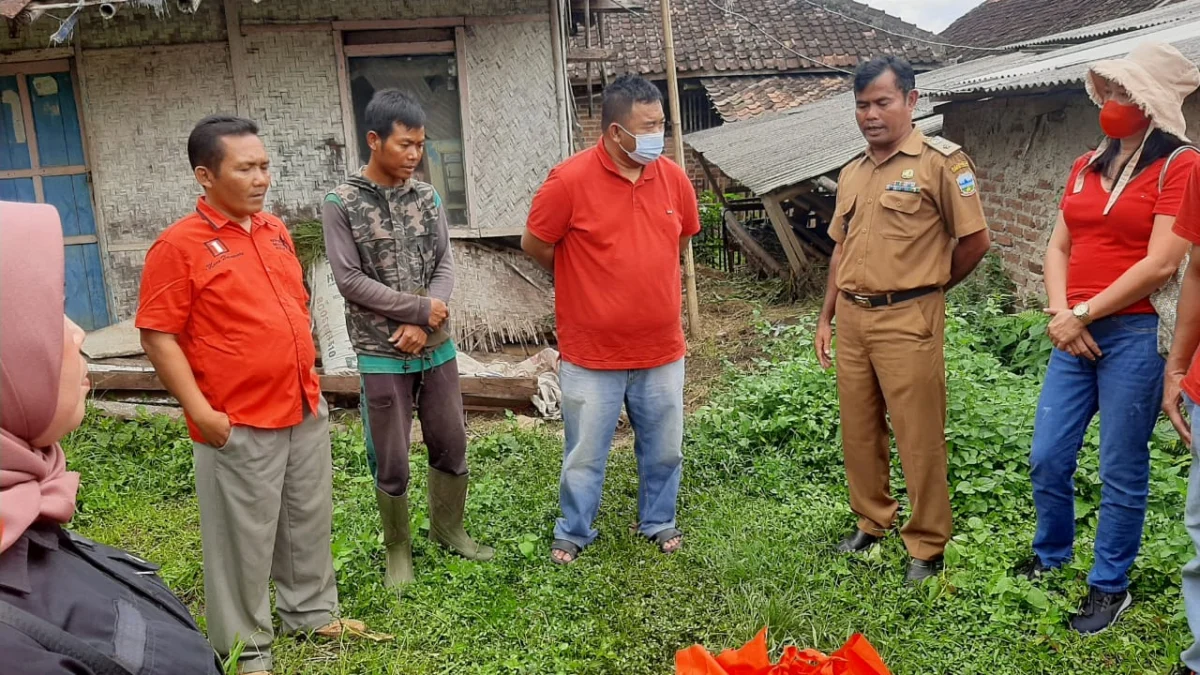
x=42 y=160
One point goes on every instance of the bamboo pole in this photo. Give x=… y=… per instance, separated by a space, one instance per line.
x=689 y=261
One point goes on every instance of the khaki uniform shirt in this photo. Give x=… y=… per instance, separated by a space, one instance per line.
x=898 y=220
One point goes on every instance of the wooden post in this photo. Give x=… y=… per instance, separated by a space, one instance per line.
x=587 y=42
x=689 y=261
x=237 y=58
x=797 y=259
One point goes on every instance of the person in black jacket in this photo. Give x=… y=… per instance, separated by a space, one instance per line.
x=67 y=604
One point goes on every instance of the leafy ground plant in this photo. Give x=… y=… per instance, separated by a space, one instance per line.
x=763 y=502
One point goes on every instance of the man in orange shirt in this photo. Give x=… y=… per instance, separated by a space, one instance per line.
x=610 y=223
x=224 y=319
x=1182 y=388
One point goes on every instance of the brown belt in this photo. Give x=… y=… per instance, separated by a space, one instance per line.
x=889 y=298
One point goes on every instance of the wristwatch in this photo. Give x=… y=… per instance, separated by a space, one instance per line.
x=1082 y=312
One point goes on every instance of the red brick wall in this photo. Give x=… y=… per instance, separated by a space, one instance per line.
x=1023 y=148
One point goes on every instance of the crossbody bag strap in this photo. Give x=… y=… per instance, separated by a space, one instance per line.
x=58 y=640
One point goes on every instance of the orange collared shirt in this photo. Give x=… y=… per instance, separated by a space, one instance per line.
x=237 y=304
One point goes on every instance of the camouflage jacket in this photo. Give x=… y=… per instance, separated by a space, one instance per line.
x=396 y=234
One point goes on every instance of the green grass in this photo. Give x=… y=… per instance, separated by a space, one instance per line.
x=763 y=502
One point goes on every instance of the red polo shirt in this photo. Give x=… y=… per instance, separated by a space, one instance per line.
x=1104 y=247
x=1187 y=225
x=616 y=259
x=236 y=301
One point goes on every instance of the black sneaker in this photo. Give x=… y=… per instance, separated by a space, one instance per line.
x=1100 y=611
x=1033 y=569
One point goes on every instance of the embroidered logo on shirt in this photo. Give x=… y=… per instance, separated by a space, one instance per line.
x=960 y=166
x=216 y=247
x=281 y=243
x=966 y=183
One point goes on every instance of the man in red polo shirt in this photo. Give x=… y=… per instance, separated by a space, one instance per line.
x=1183 y=382
x=610 y=223
x=223 y=317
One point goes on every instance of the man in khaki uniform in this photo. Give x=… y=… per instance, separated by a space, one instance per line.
x=908 y=226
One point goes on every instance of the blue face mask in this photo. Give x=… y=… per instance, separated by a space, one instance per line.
x=649 y=146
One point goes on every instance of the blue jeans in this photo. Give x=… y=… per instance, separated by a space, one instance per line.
x=592 y=401
x=1125 y=386
x=1191 y=518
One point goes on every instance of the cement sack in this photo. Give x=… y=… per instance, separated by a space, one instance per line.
x=329 y=316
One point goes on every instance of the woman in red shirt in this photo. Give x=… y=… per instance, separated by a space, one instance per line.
x=1112 y=247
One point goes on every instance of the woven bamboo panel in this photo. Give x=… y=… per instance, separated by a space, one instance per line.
x=514 y=119
x=500 y=297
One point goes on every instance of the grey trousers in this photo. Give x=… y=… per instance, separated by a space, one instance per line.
x=266 y=512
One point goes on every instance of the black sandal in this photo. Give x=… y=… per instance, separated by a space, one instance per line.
x=664 y=537
x=566 y=547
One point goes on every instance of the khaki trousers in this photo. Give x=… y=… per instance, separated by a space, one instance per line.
x=891 y=364
x=266 y=512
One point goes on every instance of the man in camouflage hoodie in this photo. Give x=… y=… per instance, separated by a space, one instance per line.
x=388 y=244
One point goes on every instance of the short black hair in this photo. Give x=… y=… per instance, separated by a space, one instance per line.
x=620 y=96
x=868 y=72
x=389 y=107
x=204 y=145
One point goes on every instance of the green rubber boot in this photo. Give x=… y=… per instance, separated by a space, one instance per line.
x=393 y=511
x=447 y=500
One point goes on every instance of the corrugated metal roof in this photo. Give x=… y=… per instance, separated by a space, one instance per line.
x=776 y=151
x=1155 y=17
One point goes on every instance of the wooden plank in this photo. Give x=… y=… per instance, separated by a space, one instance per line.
x=499 y=392
x=607 y=5
x=43 y=67
x=485 y=232
x=352 y=159
x=400 y=49
x=237 y=58
x=593 y=54
x=275 y=28
x=474 y=215
x=45 y=171
x=28 y=55
x=506 y=19
x=31 y=135
x=400 y=24
x=79 y=239
x=561 y=84
x=752 y=248
x=797 y=260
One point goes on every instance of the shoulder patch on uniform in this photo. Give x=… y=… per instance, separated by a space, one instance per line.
x=966 y=183
x=334 y=198
x=942 y=145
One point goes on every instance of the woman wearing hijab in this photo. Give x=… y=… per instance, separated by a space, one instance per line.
x=1111 y=249
x=67 y=604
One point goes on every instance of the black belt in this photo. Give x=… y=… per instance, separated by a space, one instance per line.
x=889 y=298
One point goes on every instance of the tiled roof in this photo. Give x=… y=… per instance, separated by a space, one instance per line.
x=1005 y=22
x=9 y=9
x=744 y=97
x=709 y=42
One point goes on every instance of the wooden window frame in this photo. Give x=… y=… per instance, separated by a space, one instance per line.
x=455 y=47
